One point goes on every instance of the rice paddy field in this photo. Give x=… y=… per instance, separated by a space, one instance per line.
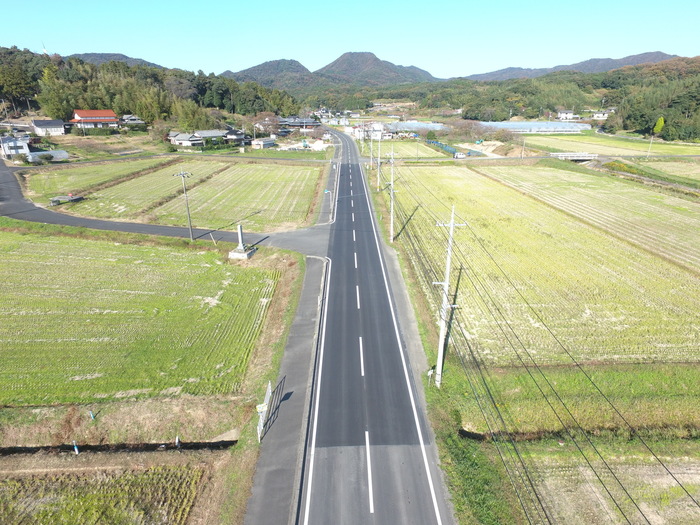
x=45 y=184
x=610 y=146
x=155 y=495
x=576 y=337
x=222 y=193
x=656 y=222
x=108 y=321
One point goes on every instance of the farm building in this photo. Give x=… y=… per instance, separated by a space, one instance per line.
x=45 y=128
x=263 y=143
x=55 y=154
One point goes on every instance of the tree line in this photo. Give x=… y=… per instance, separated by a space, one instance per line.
x=59 y=86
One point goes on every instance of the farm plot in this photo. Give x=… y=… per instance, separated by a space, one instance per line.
x=261 y=197
x=665 y=225
x=652 y=496
x=85 y=321
x=156 y=495
x=528 y=269
x=680 y=170
x=565 y=338
x=136 y=196
x=611 y=146
x=402 y=149
x=44 y=184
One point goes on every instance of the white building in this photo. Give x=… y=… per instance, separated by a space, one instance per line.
x=263 y=143
x=46 y=128
x=11 y=146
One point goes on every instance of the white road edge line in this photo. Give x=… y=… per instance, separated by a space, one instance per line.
x=369 y=475
x=362 y=359
x=403 y=358
x=318 y=391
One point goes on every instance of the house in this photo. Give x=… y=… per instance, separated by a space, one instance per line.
x=131 y=120
x=11 y=146
x=298 y=123
x=263 y=143
x=600 y=115
x=567 y=114
x=95 y=118
x=237 y=136
x=47 y=128
x=216 y=136
x=185 y=139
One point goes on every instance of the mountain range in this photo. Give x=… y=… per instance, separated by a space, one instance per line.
x=365 y=69
x=594 y=65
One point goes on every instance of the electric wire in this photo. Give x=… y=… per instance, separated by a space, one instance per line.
x=563 y=404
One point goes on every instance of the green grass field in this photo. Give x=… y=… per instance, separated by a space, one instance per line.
x=607 y=145
x=89 y=320
x=258 y=196
x=222 y=193
x=47 y=183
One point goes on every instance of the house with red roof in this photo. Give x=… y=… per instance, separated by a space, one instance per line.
x=94 y=118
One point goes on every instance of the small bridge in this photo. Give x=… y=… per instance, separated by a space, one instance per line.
x=574 y=156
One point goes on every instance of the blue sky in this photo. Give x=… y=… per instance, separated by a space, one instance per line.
x=446 y=38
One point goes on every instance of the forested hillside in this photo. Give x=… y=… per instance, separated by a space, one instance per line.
x=59 y=86
x=641 y=94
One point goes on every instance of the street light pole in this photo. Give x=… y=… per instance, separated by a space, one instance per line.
x=183 y=175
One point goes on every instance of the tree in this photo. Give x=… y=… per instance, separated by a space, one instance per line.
x=57 y=98
x=658 y=127
x=267 y=122
x=15 y=84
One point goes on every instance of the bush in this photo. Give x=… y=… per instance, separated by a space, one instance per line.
x=93 y=132
x=20 y=158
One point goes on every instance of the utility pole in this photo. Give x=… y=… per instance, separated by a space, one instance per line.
x=379 y=161
x=183 y=175
x=391 y=195
x=442 y=343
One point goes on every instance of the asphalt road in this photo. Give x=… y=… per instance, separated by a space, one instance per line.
x=370 y=456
